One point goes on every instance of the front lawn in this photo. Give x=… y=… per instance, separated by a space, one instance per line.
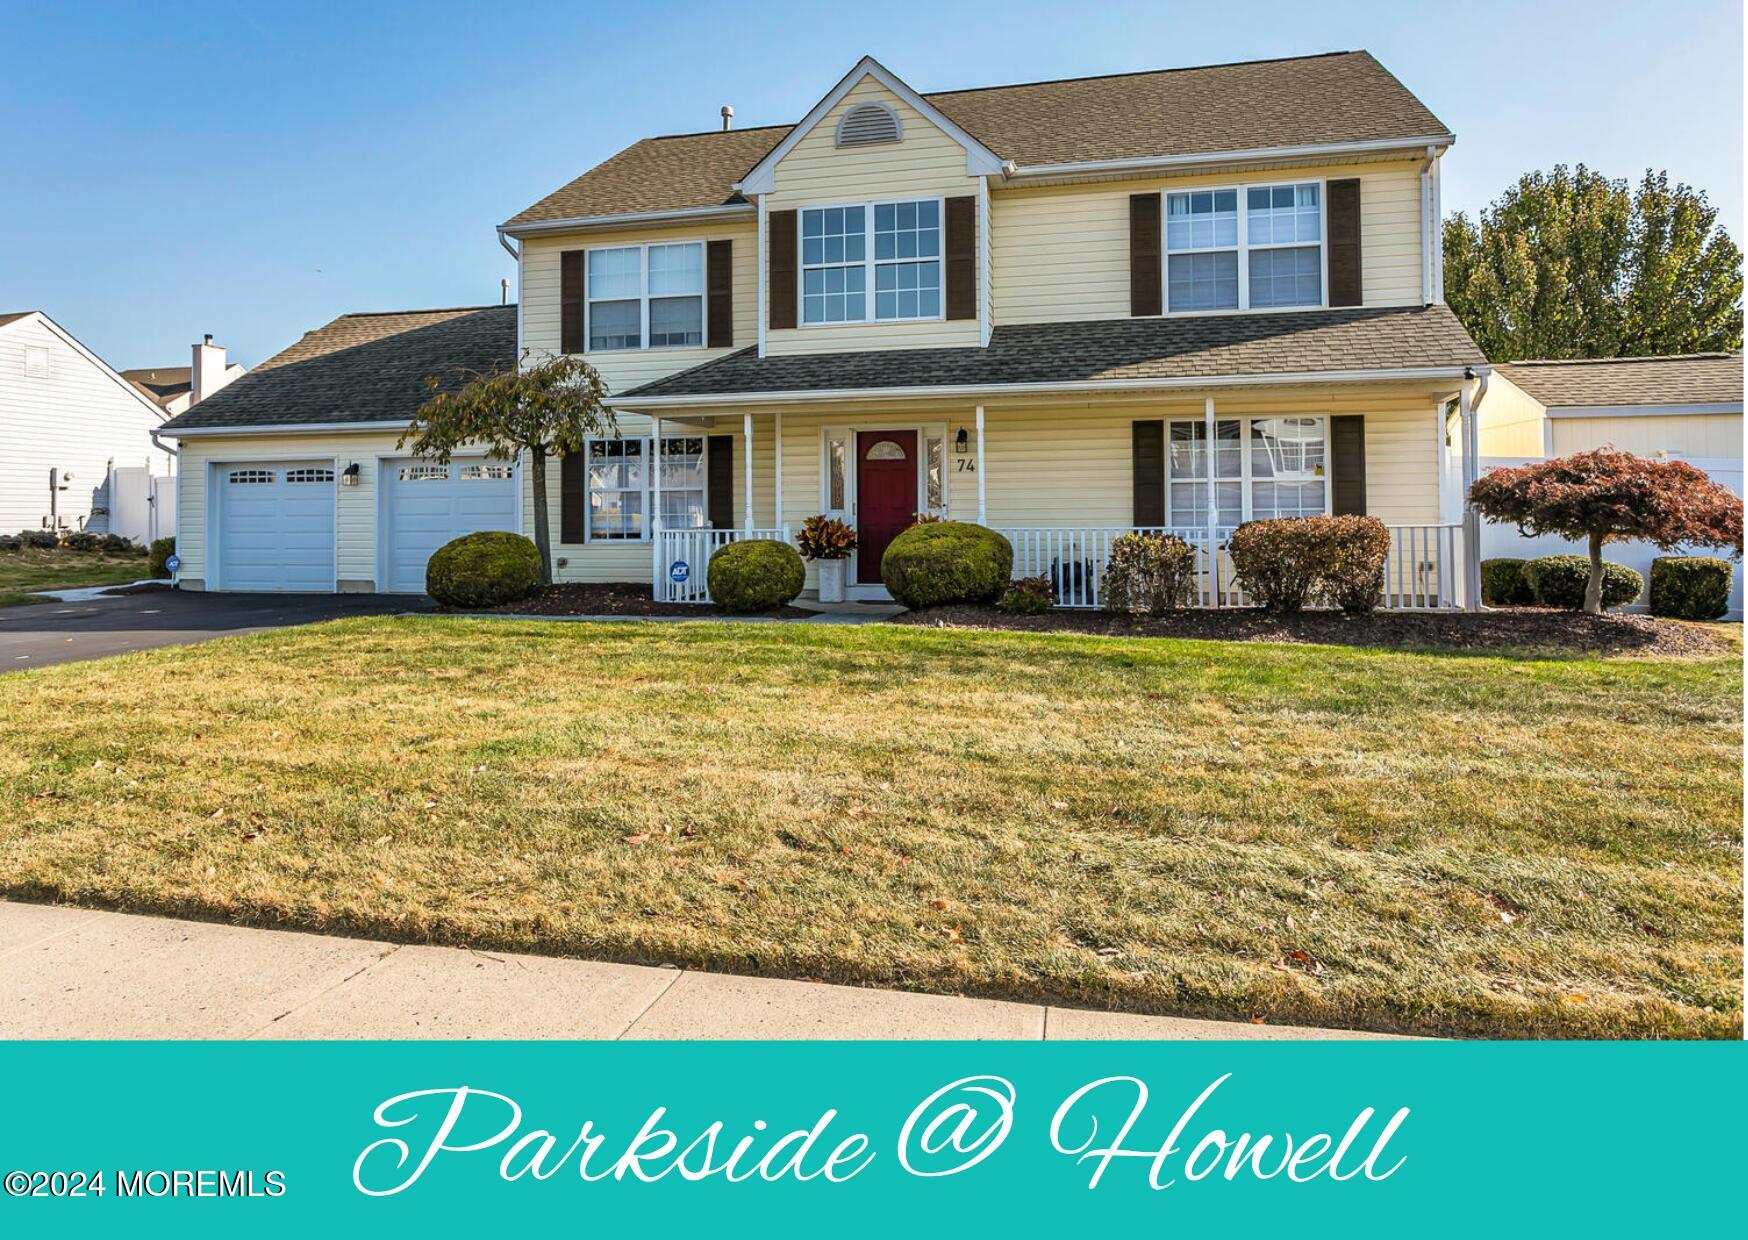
x=34 y=568
x=1431 y=843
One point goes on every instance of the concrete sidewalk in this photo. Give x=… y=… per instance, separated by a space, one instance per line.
x=78 y=973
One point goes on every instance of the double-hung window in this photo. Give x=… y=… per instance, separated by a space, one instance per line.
x=1262 y=468
x=646 y=296
x=849 y=277
x=1238 y=249
x=621 y=489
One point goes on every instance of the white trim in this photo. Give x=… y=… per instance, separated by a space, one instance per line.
x=72 y=342
x=1438 y=231
x=644 y=296
x=1145 y=163
x=985 y=265
x=746 y=470
x=1175 y=383
x=764 y=303
x=849 y=433
x=979 y=159
x=293 y=428
x=982 y=497
x=1641 y=411
x=587 y=223
x=870 y=265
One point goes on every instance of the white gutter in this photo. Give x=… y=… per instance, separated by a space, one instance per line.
x=1146 y=163
x=1075 y=387
x=584 y=223
x=298 y=428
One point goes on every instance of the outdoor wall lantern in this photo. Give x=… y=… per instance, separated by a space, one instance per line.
x=962 y=441
x=349 y=475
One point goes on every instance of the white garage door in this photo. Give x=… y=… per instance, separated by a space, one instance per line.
x=425 y=505
x=276 y=525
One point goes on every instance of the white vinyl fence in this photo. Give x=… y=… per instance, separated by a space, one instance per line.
x=681 y=567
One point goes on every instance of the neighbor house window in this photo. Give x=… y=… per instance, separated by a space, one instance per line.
x=848 y=277
x=1269 y=254
x=646 y=296
x=1263 y=468
x=622 y=490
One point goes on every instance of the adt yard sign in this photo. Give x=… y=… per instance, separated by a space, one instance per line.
x=679 y=571
x=173 y=563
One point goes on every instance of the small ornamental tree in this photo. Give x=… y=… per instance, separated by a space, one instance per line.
x=1608 y=496
x=544 y=409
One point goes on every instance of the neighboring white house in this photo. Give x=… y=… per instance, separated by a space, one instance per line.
x=1686 y=408
x=175 y=388
x=68 y=419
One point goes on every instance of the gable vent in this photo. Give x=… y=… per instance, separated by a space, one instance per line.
x=867 y=124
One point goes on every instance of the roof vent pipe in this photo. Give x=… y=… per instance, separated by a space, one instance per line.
x=727 y=118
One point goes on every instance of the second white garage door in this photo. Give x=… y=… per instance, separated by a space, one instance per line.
x=425 y=505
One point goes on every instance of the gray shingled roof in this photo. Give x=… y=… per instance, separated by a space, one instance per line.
x=1148 y=348
x=1300 y=101
x=1685 y=379
x=362 y=368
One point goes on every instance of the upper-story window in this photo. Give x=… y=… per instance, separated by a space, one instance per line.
x=646 y=296
x=848 y=278
x=1268 y=254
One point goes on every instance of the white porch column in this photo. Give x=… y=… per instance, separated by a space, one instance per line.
x=747 y=437
x=1471 y=519
x=657 y=568
x=777 y=470
x=982 y=504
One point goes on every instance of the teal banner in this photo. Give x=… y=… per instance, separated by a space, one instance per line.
x=868 y=1138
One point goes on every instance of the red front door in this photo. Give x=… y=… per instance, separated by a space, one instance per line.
x=885 y=495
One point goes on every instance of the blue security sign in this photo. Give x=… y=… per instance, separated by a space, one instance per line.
x=679 y=571
x=173 y=563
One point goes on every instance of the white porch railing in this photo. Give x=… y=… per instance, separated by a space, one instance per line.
x=681 y=560
x=1422 y=572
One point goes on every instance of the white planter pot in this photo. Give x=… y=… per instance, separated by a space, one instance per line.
x=831 y=581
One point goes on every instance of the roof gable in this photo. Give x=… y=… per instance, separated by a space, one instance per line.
x=72 y=342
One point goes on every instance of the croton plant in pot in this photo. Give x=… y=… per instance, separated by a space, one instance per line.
x=830 y=542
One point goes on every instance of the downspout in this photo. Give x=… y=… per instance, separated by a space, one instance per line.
x=1471 y=407
x=1428 y=227
x=175 y=454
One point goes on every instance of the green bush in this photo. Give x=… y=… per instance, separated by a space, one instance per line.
x=161 y=550
x=1028 y=596
x=756 y=574
x=1147 y=574
x=1503 y=583
x=937 y=563
x=1559 y=581
x=1690 y=587
x=482 y=570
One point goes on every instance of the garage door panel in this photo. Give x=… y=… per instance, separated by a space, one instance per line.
x=427 y=505
x=276 y=526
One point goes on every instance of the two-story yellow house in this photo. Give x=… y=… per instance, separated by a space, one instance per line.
x=1170 y=300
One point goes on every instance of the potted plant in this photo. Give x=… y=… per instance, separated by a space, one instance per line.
x=830 y=542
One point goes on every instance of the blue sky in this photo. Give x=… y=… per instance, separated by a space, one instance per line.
x=253 y=170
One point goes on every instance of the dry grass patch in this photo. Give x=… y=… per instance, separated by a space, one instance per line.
x=35 y=568
x=1441 y=844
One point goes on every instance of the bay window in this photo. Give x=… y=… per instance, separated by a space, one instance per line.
x=621 y=487
x=1269 y=254
x=1263 y=468
x=646 y=296
x=848 y=277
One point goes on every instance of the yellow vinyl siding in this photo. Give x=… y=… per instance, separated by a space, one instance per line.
x=926 y=163
x=1706 y=436
x=355 y=526
x=1510 y=421
x=1062 y=252
x=625 y=369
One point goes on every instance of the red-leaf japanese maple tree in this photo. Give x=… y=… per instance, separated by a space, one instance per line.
x=1608 y=496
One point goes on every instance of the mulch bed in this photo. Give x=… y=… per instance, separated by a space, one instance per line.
x=617 y=598
x=1508 y=629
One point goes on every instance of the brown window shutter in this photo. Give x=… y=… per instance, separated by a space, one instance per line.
x=719 y=477
x=573 y=498
x=1149 y=472
x=961 y=252
x=1344 y=243
x=1146 y=294
x=719 y=290
x=780 y=258
x=570 y=302
x=1347 y=465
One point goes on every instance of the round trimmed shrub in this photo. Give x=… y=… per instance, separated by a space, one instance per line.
x=161 y=550
x=1690 y=587
x=485 y=569
x=1504 y=585
x=1559 y=581
x=937 y=563
x=755 y=574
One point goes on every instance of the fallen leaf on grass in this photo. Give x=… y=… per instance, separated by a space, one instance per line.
x=638 y=838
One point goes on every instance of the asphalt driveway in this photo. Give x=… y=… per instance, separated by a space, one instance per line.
x=38 y=634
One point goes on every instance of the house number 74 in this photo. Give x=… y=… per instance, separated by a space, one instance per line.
x=964 y=466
